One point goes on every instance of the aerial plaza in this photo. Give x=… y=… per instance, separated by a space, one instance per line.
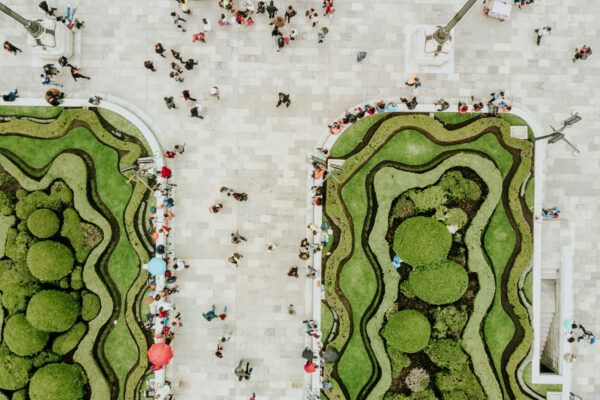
x=315 y=200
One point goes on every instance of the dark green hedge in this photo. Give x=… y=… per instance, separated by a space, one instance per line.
x=22 y=338
x=439 y=284
x=407 y=331
x=14 y=370
x=52 y=311
x=90 y=306
x=57 y=382
x=50 y=261
x=422 y=241
x=43 y=223
x=70 y=339
x=82 y=236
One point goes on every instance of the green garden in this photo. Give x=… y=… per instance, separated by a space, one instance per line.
x=432 y=232
x=72 y=238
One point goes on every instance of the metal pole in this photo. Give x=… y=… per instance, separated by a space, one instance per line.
x=442 y=34
x=34 y=28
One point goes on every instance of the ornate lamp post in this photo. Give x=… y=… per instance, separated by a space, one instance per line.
x=49 y=39
x=442 y=34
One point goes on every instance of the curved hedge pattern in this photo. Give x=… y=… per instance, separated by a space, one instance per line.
x=417 y=141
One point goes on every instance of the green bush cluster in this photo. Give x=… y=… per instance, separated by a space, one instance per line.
x=22 y=338
x=43 y=223
x=422 y=241
x=455 y=216
x=449 y=321
x=439 y=284
x=427 y=199
x=66 y=342
x=424 y=395
x=14 y=373
x=459 y=188
x=49 y=261
x=52 y=311
x=7 y=204
x=57 y=381
x=60 y=195
x=17 y=285
x=407 y=331
x=82 y=236
x=404 y=207
x=90 y=306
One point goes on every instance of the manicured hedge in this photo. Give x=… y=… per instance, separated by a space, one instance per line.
x=422 y=241
x=57 y=382
x=82 y=236
x=22 y=338
x=70 y=339
x=447 y=353
x=439 y=284
x=52 y=311
x=90 y=306
x=50 y=261
x=407 y=331
x=14 y=371
x=43 y=223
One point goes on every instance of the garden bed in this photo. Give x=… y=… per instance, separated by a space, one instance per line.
x=447 y=200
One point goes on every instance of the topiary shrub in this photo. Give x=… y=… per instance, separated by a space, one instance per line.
x=422 y=241
x=455 y=217
x=22 y=338
x=16 y=284
x=427 y=394
x=44 y=358
x=14 y=373
x=439 y=284
x=7 y=206
x=57 y=381
x=77 y=278
x=70 y=339
x=62 y=192
x=17 y=244
x=447 y=353
x=52 y=311
x=34 y=200
x=20 y=395
x=459 y=188
x=90 y=306
x=49 y=261
x=43 y=223
x=82 y=236
x=417 y=380
x=407 y=331
x=449 y=321
x=428 y=199
x=404 y=208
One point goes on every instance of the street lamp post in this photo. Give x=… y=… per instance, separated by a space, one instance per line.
x=34 y=27
x=442 y=33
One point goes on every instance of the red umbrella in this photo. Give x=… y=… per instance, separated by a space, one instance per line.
x=160 y=354
x=165 y=172
x=310 y=367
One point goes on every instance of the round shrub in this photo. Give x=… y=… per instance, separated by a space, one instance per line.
x=20 y=395
x=456 y=216
x=407 y=331
x=52 y=311
x=43 y=223
x=57 y=381
x=447 y=353
x=14 y=373
x=49 y=261
x=90 y=306
x=439 y=284
x=22 y=338
x=70 y=339
x=421 y=241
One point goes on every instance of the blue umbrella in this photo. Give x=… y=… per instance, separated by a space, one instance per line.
x=157 y=266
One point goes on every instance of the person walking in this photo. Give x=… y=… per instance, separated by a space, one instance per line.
x=284 y=98
x=582 y=53
x=272 y=10
x=170 y=103
x=11 y=96
x=219 y=352
x=51 y=70
x=179 y=148
x=177 y=55
x=64 y=62
x=253 y=397
x=321 y=35
x=178 y=21
x=293 y=271
x=149 y=65
x=47 y=9
x=47 y=80
x=214 y=92
x=197 y=111
x=160 y=50
x=361 y=56
x=187 y=96
x=540 y=32
x=414 y=82
x=189 y=64
x=206 y=25
x=210 y=314
x=236 y=238
x=234 y=259
x=11 y=48
x=175 y=67
x=290 y=13
x=183 y=5
x=76 y=73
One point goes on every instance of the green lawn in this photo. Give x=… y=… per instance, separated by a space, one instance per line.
x=326 y=321
x=353 y=135
x=31 y=111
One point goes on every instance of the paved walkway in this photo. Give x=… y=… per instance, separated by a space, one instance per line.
x=247 y=144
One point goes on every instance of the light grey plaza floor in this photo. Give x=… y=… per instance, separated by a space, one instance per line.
x=248 y=144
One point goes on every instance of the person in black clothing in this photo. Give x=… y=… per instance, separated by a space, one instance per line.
x=187 y=96
x=64 y=62
x=176 y=55
x=50 y=70
x=160 y=50
x=75 y=73
x=289 y=14
x=149 y=65
x=11 y=48
x=11 y=96
x=169 y=102
x=284 y=98
x=189 y=64
x=271 y=9
x=260 y=7
x=47 y=9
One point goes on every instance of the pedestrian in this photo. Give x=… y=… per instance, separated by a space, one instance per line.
x=206 y=25
x=293 y=271
x=160 y=50
x=442 y=105
x=183 y=5
x=170 y=154
x=284 y=98
x=234 y=259
x=223 y=21
x=242 y=373
x=214 y=92
x=189 y=64
x=187 y=96
x=198 y=37
x=149 y=65
x=321 y=35
x=47 y=9
x=179 y=264
x=64 y=62
x=225 y=335
x=226 y=190
x=170 y=103
x=272 y=10
x=176 y=76
x=414 y=82
x=197 y=111
x=175 y=67
x=240 y=196
x=361 y=56
x=462 y=107
x=569 y=357
x=580 y=54
x=329 y=10
x=291 y=310
x=8 y=46
x=308 y=354
x=47 y=80
x=210 y=315
x=315 y=19
x=293 y=34
x=176 y=55
x=236 y=238
x=253 y=397
x=51 y=70
x=290 y=13
x=177 y=20
x=76 y=73
x=11 y=96
x=95 y=100
x=180 y=148
x=540 y=32
x=223 y=315
x=412 y=104
x=310 y=367
x=250 y=8
x=219 y=352
x=271 y=246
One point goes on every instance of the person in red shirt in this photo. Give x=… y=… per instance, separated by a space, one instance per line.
x=170 y=154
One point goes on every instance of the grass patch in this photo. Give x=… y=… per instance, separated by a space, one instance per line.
x=353 y=135
x=450 y=118
x=31 y=111
x=530 y=193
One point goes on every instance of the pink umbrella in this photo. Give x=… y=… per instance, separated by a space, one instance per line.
x=160 y=354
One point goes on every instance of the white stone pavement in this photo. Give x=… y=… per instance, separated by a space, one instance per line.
x=248 y=144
